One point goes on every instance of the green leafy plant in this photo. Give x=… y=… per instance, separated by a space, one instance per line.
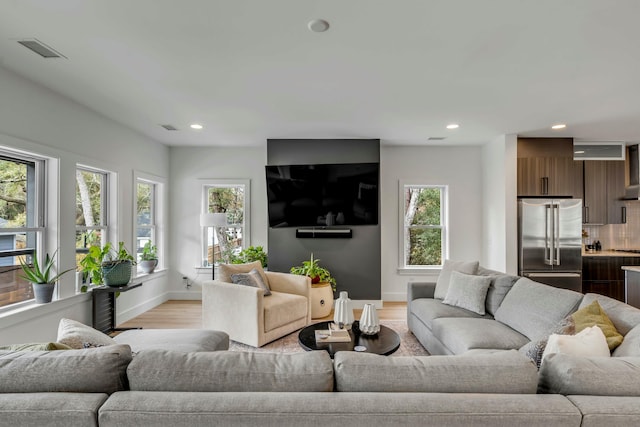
x=37 y=274
x=313 y=270
x=250 y=254
x=99 y=257
x=149 y=252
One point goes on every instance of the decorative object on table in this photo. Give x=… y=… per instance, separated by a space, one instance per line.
x=149 y=258
x=43 y=279
x=369 y=323
x=107 y=266
x=313 y=270
x=333 y=334
x=215 y=220
x=343 y=312
x=250 y=254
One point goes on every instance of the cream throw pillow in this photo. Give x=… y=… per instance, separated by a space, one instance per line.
x=590 y=342
x=75 y=334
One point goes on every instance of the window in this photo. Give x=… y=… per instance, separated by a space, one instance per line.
x=148 y=214
x=91 y=210
x=21 y=222
x=423 y=225
x=230 y=197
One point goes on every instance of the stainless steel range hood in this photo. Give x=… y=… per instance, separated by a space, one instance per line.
x=632 y=192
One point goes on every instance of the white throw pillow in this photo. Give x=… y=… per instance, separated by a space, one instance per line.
x=590 y=342
x=468 y=292
x=442 y=284
x=76 y=334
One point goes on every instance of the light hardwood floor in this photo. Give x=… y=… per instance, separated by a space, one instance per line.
x=178 y=314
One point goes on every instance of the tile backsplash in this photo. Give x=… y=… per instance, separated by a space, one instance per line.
x=617 y=236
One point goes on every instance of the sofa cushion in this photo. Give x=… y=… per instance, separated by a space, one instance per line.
x=442 y=284
x=427 y=309
x=463 y=334
x=503 y=372
x=252 y=278
x=534 y=309
x=630 y=346
x=38 y=346
x=623 y=316
x=615 y=411
x=500 y=286
x=185 y=340
x=76 y=334
x=50 y=409
x=467 y=291
x=281 y=309
x=163 y=370
x=590 y=342
x=226 y=270
x=96 y=370
x=603 y=376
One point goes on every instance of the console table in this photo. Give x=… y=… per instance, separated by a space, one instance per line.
x=104 y=306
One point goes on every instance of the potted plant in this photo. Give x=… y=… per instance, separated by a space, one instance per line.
x=149 y=258
x=313 y=270
x=43 y=279
x=250 y=254
x=107 y=266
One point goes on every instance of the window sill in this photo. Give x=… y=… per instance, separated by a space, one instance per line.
x=145 y=277
x=27 y=312
x=419 y=271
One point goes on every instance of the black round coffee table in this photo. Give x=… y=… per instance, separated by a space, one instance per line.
x=384 y=342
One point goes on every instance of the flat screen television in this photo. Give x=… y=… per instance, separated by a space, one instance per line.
x=321 y=195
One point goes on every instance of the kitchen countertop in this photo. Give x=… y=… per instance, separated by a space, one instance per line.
x=609 y=253
x=634 y=269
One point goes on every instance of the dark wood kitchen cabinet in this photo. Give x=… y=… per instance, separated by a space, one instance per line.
x=604 y=275
x=546 y=168
x=604 y=188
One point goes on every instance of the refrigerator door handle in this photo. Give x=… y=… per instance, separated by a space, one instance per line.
x=548 y=234
x=556 y=235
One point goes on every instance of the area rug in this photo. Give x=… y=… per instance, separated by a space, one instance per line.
x=409 y=345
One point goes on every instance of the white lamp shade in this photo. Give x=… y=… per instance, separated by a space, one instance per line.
x=213 y=220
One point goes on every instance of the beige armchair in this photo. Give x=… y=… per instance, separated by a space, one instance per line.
x=251 y=318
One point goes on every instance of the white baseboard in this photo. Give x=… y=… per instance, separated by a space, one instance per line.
x=137 y=310
x=394 y=296
x=361 y=302
x=185 y=295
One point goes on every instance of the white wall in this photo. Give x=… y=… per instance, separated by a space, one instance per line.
x=458 y=167
x=500 y=204
x=36 y=119
x=189 y=166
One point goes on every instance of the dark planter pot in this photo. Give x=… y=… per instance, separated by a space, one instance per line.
x=117 y=273
x=148 y=266
x=43 y=292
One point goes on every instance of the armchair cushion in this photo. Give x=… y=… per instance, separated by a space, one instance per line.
x=281 y=309
x=226 y=270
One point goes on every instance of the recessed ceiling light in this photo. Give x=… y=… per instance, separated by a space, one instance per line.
x=196 y=126
x=559 y=126
x=453 y=126
x=318 y=25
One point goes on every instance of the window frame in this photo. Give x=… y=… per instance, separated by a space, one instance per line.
x=39 y=227
x=157 y=209
x=403 y=230
x=105 y=206
x=246 y=215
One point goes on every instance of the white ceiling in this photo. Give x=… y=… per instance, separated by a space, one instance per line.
x=399 y=70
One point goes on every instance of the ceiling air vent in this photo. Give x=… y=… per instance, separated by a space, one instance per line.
x=169 y=127
x=40 y=48
x=436 y=138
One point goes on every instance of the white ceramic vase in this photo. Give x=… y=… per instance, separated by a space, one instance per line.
x=342 y=312
x=369 y=323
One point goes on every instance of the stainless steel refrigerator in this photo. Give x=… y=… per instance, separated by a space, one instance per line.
x=550 y=241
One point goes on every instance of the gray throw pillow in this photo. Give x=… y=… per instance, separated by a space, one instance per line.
x=252 y=278
x=468 y=292
x=442 y=284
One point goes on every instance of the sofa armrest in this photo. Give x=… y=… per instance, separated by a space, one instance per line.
x=602 y=376
x=223 y=304
x=289 y=283
x=417 y=290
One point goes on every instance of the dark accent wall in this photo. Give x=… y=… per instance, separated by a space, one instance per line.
x=354 y=262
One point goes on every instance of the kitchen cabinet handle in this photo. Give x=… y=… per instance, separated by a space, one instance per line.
x=624 y=214
x=545 y=185
x=586 y=214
